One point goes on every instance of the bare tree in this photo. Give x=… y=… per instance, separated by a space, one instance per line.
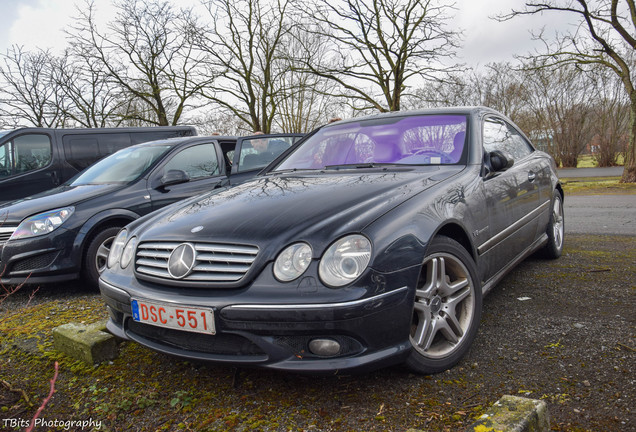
x=221 y=121
x=244 y=42
x=29 y=95
x=376 y=48
x=605 y=36
x=610 y=110
x=561 y=112
x=457 y=90
x=305 y=101
x=147 y=50
x=90 y=98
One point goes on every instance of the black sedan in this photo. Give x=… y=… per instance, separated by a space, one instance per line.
x=66 y=232
x=369 y=243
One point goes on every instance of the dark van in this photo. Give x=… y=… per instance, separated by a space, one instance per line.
x=33 y=160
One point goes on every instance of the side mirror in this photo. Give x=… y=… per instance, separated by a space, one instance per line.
x=173 y=177
x=499 y=161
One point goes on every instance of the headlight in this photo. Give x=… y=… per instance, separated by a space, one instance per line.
x=128 y=253
x=345 y=260
x=117 y=248
x=42 y=223
x=292 y=262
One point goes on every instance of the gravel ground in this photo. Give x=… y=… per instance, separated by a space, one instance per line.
x=562 y=331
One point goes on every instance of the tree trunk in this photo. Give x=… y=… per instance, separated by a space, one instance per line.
x=629 y=172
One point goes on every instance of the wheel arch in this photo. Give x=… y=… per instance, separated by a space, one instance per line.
x=559 y=188
x=456 y=232
x=113 y=217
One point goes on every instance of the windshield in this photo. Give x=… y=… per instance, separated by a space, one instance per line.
x=122 y=167
x=408 y=140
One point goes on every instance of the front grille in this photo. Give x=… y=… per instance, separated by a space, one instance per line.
x=223 y=344
x=214 y=262
x=6 y=232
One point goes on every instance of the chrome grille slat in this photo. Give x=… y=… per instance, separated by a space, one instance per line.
x=6 y=232
x=248 y=250
x=214 y=278
x=149 y=263
x=225 y=258
x=163 y=245
x=212 y=268
x=214 y=262
x=148 y=254
x=153 y=272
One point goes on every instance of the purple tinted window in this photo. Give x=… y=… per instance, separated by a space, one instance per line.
x=409 y=140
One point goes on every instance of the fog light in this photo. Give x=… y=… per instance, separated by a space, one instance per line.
x=324 y=347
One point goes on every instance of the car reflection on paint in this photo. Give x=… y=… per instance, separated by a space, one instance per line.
x=369 y=243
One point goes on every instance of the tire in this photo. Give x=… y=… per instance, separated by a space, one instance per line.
x=97 y=255
x=446 y=308
x=555 y=229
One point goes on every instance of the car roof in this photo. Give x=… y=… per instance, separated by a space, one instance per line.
x=173 y=142
x=467 y=110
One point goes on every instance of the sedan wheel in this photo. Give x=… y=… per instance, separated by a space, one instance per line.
x=97 y=254
x=447 y=308
x=555 y=229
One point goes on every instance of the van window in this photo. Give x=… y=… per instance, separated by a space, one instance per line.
x=83 y=151
x=24 y=153
x=80 y=152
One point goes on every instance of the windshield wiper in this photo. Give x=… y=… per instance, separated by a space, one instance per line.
x=289 y=170
x=359 y=166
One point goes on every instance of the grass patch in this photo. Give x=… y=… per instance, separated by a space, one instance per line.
x=597 y=186
x=588 y=161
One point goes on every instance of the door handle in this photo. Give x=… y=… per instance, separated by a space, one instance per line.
x=532 y=176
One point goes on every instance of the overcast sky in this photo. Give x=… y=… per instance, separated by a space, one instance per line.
x=40 y=24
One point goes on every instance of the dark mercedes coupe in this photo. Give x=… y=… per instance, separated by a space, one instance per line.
x=368 y=243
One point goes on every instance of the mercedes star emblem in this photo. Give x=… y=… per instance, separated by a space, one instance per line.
x=182 y=261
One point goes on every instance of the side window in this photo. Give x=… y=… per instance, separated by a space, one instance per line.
x=25 y=153
x=6 y=159
x=197 y=161
x=498 y=135
x=257 y=153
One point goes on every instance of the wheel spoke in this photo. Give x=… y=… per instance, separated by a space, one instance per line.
x=432 y=278
x=425 y=338
x=448 y=332
x=103 y=251
x=449 y=289
x=458 y=297
x=453 y=325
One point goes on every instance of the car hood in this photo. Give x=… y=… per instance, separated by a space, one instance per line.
x=278 y=209
x=61 y=196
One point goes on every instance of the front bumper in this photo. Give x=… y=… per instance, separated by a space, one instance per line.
x=369 y=321
x=42 y=259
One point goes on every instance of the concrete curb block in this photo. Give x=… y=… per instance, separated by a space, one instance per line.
x=514 y=414
x=91 y=344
